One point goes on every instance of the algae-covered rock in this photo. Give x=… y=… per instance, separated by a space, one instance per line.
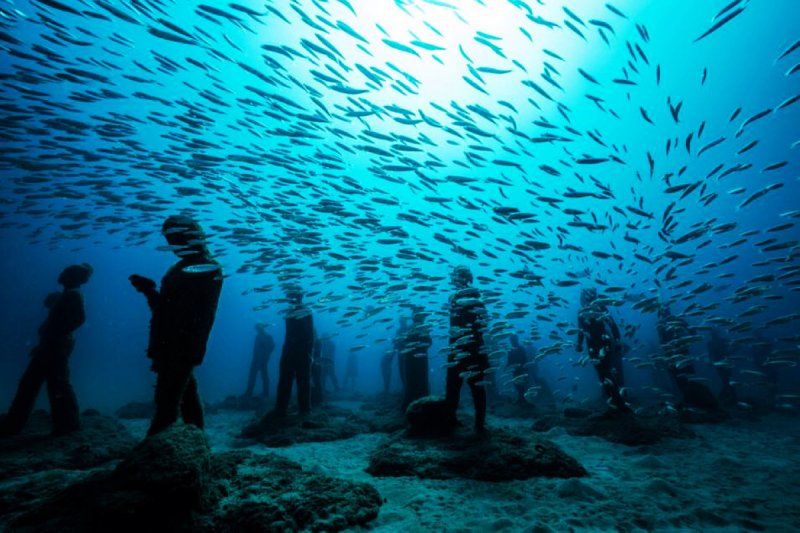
x=499 y=455
x=160 y=485
x=243 y=403
x=429 y=416
x=171 y=482
x=320 y=426
x=173 y=465
x=101 y=439
x=575 y=489
x=270 y=493
x=621 y=428
x=136 y=410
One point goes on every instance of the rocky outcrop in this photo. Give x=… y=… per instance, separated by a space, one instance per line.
x=621 y=428
x=499 y=455
x=270 y=493
x=429 y=417
x=101 y=439
x=172 y=482
x=136 y=410
x=243 y=403
x=320 y=426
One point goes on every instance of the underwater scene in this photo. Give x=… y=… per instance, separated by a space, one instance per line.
x=399 y=265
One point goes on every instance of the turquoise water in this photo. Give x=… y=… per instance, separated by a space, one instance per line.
x=364 y=149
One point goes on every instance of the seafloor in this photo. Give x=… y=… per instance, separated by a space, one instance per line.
x=738 y=475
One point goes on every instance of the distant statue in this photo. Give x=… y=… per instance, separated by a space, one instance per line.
x=490 y=383
x=49 y=359
x=183 y=313
x=517 y=363
x=718 y=351
x=673 y=332
x=760 y=354
x=597 y=327
x=298 y=347
x=541 y=392
x=316 y=392
x=351 y=372
x=467 y=359
x=415 y=357
x=263 y=346
x=327 y=356
x=322 y=368
x=395 y=352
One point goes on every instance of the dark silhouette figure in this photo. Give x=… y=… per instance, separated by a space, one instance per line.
x=183 y=313
x=315 y=392
x=718 y=351
x=351 y=372
x=396 y=351
x=543 y=394
x=386 y=369
x=399 y=350
x=49 y=361
x=673 y=333
x=327 y=362
x=298 y=347
x=604 y=344
x=263 y=346
x=316 y=373
x=491 y=382
x=467 y=358
x=760 y=352
x=416 y=345
x=517 y=363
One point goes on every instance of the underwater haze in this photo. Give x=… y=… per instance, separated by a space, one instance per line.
x=364 y=149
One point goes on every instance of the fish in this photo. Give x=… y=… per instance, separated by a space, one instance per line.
x=760 y=193
x=616 y=11
x=170 y=36
x=350 y=31
x=710 y=145
x=775 y=166
x=789 y=49
x=474 y=84
x=749 y=146
x=602 y=24
x=491 y=70
x=118 y=13
x=574 y=29
x=60 y=7
x=201 y=268
x=321 y=152
x=753 y=118
x=720 y=23
x=675 y=110
x=587 y=76
x=789 y=101
x=400 y=46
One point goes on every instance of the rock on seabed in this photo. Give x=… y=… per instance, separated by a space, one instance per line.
x=498 y=455
x=172 y=482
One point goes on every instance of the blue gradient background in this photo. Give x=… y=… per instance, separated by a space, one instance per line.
x=108 y=365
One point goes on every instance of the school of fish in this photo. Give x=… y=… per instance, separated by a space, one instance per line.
x=314 y=144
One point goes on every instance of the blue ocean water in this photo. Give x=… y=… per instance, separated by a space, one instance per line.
x=364 y=149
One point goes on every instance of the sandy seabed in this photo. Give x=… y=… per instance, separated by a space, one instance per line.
x=740 y=475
